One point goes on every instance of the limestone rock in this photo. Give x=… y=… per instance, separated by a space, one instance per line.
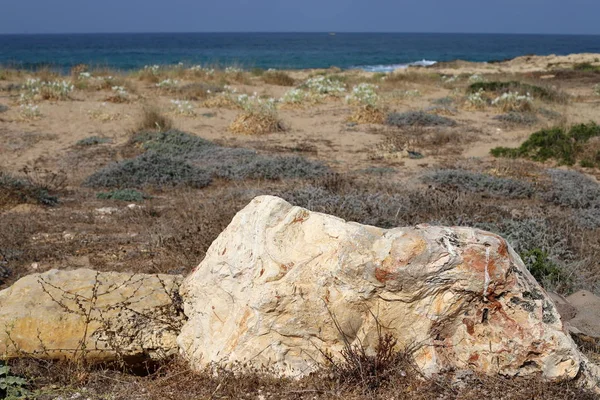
x=273 y=282
x=98 y=316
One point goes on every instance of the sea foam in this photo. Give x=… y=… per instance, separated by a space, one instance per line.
x=393 y=67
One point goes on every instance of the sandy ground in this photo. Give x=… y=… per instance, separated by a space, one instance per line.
x=45 y=141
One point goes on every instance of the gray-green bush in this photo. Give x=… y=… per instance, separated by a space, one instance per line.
x=518 y=118
x=480 y=183
x=149 y=169
x=418 y=118
x=181 y=158
x=93 y=141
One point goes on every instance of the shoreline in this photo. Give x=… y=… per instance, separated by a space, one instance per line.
x=538 y=62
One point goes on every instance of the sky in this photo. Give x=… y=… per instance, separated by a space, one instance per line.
x=468 y=16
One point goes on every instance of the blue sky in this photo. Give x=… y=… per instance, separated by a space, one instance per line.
x=500 y=16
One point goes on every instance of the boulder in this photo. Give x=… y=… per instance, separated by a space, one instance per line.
x=281 y=285
x=96 y=316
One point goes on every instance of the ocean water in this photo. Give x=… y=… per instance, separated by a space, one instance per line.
x=369 y=51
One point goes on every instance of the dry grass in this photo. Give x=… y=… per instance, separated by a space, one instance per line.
x=278 y=78
x=221 y=101
x=367 y=115
x=175 y=381
x=153 y=119
x=256 y=124
x=45 y=74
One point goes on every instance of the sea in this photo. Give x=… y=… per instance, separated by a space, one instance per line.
x=368 y=51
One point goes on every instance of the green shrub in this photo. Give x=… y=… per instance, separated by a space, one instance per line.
x=417 y=118
x=553 y=143
x=543 y=269
x=92 y=141
x=129 y=195
x=3 y=108
x=586 y=66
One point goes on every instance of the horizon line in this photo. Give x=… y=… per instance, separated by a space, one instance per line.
x=293 y=32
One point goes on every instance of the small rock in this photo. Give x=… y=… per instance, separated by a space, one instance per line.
x=106 y=210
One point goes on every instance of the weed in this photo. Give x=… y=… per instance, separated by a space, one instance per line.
x=129 y=195
x=543 y=269
x=17 y=190
x=369 y=372
x=518 y=118
x=12 y=387
x=92 y=141
x=417 y=118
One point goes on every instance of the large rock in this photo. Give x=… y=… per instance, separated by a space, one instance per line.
x=275 y=281
x=97 y=316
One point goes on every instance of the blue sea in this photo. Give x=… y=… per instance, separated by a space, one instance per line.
x=369 y=51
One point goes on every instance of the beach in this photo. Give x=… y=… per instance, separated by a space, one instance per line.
x=139 y=171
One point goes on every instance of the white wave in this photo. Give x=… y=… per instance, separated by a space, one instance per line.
x=393 y=67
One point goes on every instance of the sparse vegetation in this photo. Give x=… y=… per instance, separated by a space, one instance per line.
x=367 y=104
x=153 y=120
x=480 y=183
x=93 y=141
x=15 y=190
x=500 y=88
x=518 y=118
x=259 y=116
x=410 y=171
x=149 y=169
x=278 y=78
x=129 y=195
x=417 y=118
x=586 y=66
x=177 y=158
